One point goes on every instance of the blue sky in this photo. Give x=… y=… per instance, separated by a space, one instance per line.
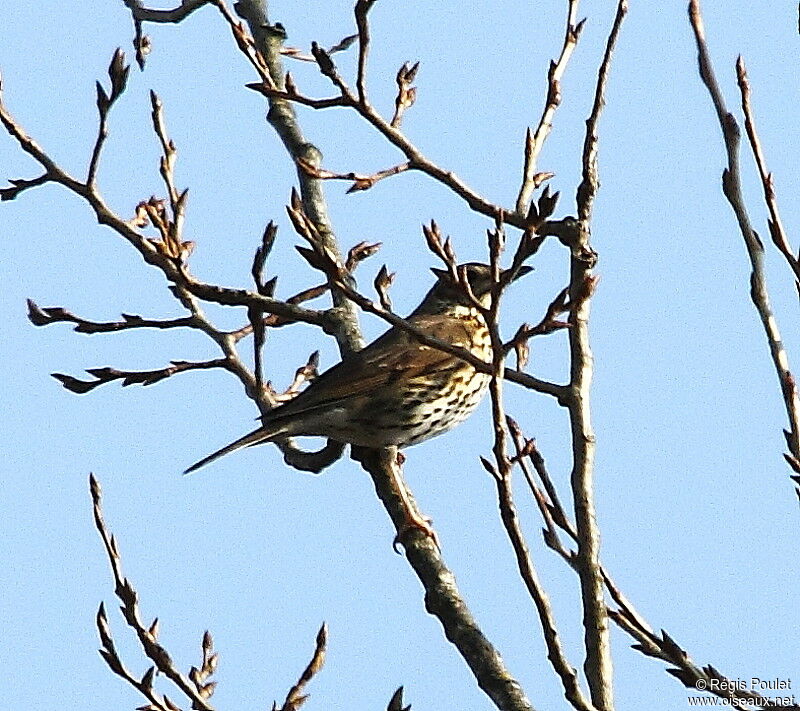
x=696 y=509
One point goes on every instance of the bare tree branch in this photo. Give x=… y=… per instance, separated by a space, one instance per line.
x=135 y=377
x=362 y=8
x=416 y=159
x=197 y=691
x=598 y=663
x=118 y=73
x=732 y=188
x=39 y=316
x=501 y=471
x=776 y=229
x=197 y=686
x=442 y=597
x=296 y=698
x=360 y=181
x=625 y=616
x=534 y=142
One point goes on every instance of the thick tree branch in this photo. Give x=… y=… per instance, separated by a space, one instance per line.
x=268 y=41
x=442 y=597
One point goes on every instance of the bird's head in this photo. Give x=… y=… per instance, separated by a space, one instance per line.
x=447 y=291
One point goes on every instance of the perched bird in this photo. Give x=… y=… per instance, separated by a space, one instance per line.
x=395 y=391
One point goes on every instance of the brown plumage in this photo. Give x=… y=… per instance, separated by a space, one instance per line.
x=395 y=391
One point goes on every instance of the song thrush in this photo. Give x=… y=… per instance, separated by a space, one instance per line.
x=395 y=391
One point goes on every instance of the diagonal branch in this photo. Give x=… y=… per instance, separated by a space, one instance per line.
x=534 y=142
x=625 y=616
x=776 y=229
x=362 y=9
x=732 y=188
x=443 y=598
x=295 y=698
x=417 y=160
x=198 y=694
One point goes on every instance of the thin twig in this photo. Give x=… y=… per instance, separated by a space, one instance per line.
x=549 y=505
x=118 y=73
x=135 y=377
x=732 y=187
x=362 y=9
x=129 y=598
x=534 y=142
x=39 y=316
x=590 y=184
x=242 y=297
x=549 y=323
x=169 y=153
x=295 y=53
x=416 y=159
x=295 y=698
x=360 y=180
x=626 y=617
x=555 y=652
x=775 y=223
x=275 y=321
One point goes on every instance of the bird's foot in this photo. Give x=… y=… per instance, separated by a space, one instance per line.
x=415 y=522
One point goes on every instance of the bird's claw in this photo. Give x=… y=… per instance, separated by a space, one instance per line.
x=415 y=522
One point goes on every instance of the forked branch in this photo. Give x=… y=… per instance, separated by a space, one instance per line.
x=732 y=188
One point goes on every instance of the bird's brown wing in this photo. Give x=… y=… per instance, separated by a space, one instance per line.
x=396 y=354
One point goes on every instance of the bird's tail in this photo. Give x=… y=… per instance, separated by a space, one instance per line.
x=262 y=434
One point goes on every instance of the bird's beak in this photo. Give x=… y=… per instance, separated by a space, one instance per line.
x=522 y=271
